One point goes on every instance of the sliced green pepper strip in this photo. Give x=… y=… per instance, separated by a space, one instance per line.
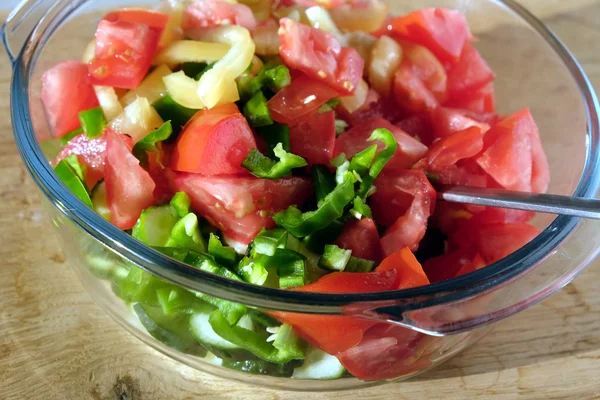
x=248 y=86
x=329 y=209
x=148 y=143
x=263 y=167
x=254 y=270
x=361 y=209
x=289 y=346
x=155 y=225
x=256 y=111
x=186 y=234
x=222 y=254
x=231 y=312
x=67 y=138
x=262 y=319
x=323 y=180
x=382 y=158
x=269 y=240
x=291 y=268
x=275 y=134
x=71 y=178
x=334 y=258
x=93 y=122
x=361 y=162
x=316 y=242
x=78 y=168
x=170 y=110
x=356 y=264
x=177 y=300
x=181 y=203
x=276 y=77
x=173 y=252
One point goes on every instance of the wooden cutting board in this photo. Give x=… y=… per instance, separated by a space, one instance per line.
x=55 y=343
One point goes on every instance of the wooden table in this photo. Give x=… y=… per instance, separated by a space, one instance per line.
x=55 y=343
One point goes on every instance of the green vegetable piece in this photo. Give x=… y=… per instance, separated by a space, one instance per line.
x=260 y=367
x=263 y=167
x=380 y=161
x=148 y=143
x=329 y=106
x=79 y=169
x=195 y=69
x=177 y=300
x=269 y=240
x=207 y=263
x=329 y=209
x=291 y=268
x=275 y=134
x=67 y=138
x=340 y=127
x=181 y=203
x=361 y=209
x=262 y=319
x=231 y=312
x=356 y=264
x=361 y=162
x=71 y=178
x=170 y=110
x=222 y=254
x=323 y=180
x=93 y=122
x=256 y=111
x=140 y=286
x=316 y=242
x=334 y=258
x=173 y=252
x=186 y=233
x=276 y=77
x=155 y=225
x=289 y=346
x=254 y=270
x=313 y=271
x=248 y=86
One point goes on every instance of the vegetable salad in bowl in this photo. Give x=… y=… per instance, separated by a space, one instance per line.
x=293 y=145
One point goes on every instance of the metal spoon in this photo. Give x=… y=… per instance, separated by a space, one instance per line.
x=543 y=203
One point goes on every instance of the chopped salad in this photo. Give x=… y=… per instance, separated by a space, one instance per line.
x=291 y=144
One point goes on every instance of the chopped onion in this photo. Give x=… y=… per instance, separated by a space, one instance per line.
x=183 y=51
x=386 y=57
x=137 y=120
x=152 y=87
x=357 y=100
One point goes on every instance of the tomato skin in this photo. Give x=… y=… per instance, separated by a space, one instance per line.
x=453 y=264
x=410 y=271
x=410 y=91
x=91 y=153
x=124 y=52
x=403 y=202
x=460 y=145
x=470 y=74
x=209 y=13
x=428 y=69
x=303 y=96
x=214 y=142
x=62 y=108
x=419 y=126
x=129 y=188
x=314 y=137
x=447 y=121
x=444 y=32
x=362 y=238
x=408 y=152
x=328 y=4
x=375 y=106
x=319 y=55
x=241 y=206
x=157 y=21
x=481 y=101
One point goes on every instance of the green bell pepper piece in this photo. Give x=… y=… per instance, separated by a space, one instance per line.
x=263 y=167
x=170 y=110
x=334 y=258
x=222 y=254
x=93 y=122
x=323 y=180
x=275 y=134
x=181 y=203
x=380 y=161
x=72 y=178
x=256 y=111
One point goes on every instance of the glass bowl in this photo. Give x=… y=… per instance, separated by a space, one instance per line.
x=534 y=70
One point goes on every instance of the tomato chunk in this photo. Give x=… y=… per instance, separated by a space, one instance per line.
x=470 y=74
x=208 y=13
x=447 y=121
x=375 y=106
x=362 y=238
x=303 y=96
x=91 y=153
x=353 y=141
x=447 y=151
x=129 y=188
x=418 y=126
x=453 y=264
x=124 y=52
x=241 y=206
x=410 y=91
x=59 y=84
x=444 y=32
x=481 y=101
x=157 y=21
x=320 y=55
x=214 y=142
x=403 y=201
x=410 y=272
x=314 y=137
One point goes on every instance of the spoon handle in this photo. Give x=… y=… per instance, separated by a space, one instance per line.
x=543 y=203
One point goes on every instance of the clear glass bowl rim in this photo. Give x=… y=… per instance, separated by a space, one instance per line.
x=277 y=299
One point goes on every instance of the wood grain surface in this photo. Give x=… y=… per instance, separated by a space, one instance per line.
x=56 y=343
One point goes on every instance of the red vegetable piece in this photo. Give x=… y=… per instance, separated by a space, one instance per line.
x=460 y=145
x=410 y=91
x=447 y=121
x=157 y=21
x=91 y=153
x=362 y=238
x=470 y=74
x=314 y=137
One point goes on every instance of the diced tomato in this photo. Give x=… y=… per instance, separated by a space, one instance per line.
x=66 y=91
x=447 y=121
x=314 y=137
x=208 y=13
x=375 y=106
x=157 y=21
x=481 y=101
x=507 y=155
x=453 y=264
x=540 y=170
x=403 y=201
x=447 y=151
x=241 y=206
x=162 y=176
x=320 y=55
x=124 y=52
x=494 y=241
x=470 y=74
x=362 y=238
x=408 y=152
x=499 y=215
x=214 y=142
x=336 y=334
x=418 y=126
x=428 y=69
x=467 y=174
x=129 y=188
x=449 y=217
x=304 y=95
x=309 y=3
x=410 y=91
x=444 y=32
x=91 y=153
x=410 y=272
